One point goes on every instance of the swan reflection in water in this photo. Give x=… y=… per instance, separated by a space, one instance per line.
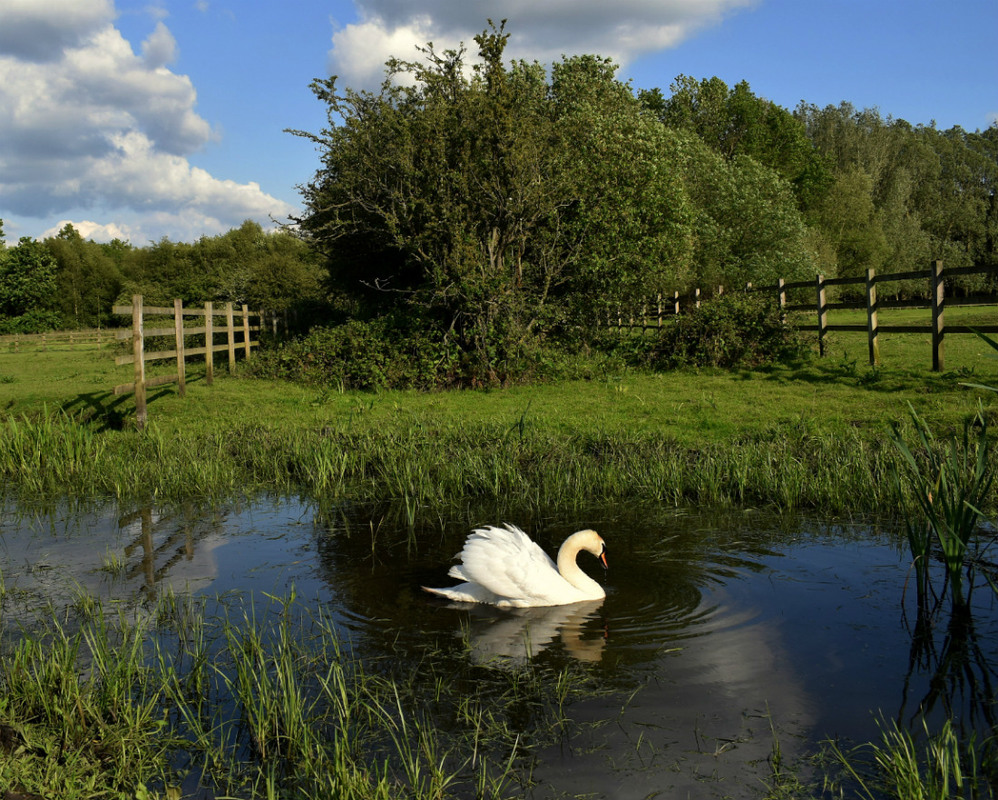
x=516 y=635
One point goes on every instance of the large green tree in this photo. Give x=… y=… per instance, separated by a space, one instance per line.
x=495 y=202
x=736 y=122
x=88 y=278
x=28 y=288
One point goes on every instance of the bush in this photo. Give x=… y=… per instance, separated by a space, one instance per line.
x=734 y=330
x=375 y=354
x=729 y=331
x=35 y=321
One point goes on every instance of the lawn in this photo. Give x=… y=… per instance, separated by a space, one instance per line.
x=741 y=436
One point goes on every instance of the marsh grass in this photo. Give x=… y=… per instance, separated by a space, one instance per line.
x=430 y=470
x=930 y=766
x=261 y=699
x=948 y=483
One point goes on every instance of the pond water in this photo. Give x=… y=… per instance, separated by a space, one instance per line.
x=720 y=633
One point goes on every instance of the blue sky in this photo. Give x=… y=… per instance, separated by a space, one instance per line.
x=149 y=118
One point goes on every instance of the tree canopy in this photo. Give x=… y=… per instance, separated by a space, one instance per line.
x=502 y=201
x=488 y=204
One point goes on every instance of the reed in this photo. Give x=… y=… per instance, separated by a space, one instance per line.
x=433 y=469
x=934 y=766
x=947 y=484
x=260 y=698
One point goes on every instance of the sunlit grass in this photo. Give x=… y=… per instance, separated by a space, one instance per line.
x=933 y=765
x=809 y=435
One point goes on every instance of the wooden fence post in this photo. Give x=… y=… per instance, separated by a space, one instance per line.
x=138 y=351
x=822 y=315
x=675 y=303
x=231 y=330
x=246 y=330
x=938 y=306
x=781 y=289
x=659 y=309
x=696 y=297
x=871 y=317
x=209 y=343
x=178 y=324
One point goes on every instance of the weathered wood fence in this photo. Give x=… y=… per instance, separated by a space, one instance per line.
x=651 y=315
x=236 y=328
x=56 y=339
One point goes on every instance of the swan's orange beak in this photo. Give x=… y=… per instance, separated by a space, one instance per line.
x=602 y=558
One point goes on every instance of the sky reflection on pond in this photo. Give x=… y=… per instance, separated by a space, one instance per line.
x=717 y=629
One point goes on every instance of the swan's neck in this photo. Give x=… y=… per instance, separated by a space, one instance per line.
x=570 y=571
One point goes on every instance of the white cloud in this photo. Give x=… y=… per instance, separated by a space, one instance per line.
x=160 y=48
x=93 y=230
x=86 y=123
x=542 y=31
x=38 y=31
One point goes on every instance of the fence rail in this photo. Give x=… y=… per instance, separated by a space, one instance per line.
x=937 y=301
x=53 y=339
x=139 y=333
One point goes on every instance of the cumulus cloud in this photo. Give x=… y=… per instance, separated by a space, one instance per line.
x=96 y=231
x=544 y=31
x=160 y=48
x=35 y=34
x=87 y=123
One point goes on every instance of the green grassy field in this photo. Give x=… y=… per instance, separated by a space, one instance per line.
x=811 y=434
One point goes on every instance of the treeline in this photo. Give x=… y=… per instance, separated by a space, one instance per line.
x=501 y=205
x=66 y=281
x=485 y=211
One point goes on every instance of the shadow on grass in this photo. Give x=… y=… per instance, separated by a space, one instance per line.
x=110 y=412
x=856 y=375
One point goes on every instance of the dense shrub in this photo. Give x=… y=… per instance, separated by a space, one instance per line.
x=728 y=331
x=34 y=321
x=374 y=354
x=394 y=353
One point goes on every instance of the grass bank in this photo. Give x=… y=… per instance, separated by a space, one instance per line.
x=224 y=698
x=806 y=436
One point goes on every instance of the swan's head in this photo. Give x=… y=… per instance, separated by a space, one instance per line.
x=592 y=542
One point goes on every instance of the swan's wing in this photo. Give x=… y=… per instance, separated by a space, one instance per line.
x=465 y=593
x=507 y=563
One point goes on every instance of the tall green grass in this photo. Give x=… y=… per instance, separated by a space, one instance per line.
x=948 y=483
x=432 y=469
x=930 y=766
x=260 y=700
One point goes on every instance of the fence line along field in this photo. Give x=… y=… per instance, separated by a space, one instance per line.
x=93 y=337
x=139 y=332
x=936 y=302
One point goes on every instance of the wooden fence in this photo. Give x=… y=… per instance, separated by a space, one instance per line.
x=179 y=332
x=651 y=315
x=96 y=337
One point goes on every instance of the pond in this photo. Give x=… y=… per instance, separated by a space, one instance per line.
x=724 y=636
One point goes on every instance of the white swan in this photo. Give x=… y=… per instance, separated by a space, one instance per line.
x=503 y=567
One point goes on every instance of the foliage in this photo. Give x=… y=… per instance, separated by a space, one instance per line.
x=748 y=226
x=494 y=204
x=903 y=195
x=383 y=353
x=27 y=279
x=736 y=123
x=89 y=279
x=728 y=331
